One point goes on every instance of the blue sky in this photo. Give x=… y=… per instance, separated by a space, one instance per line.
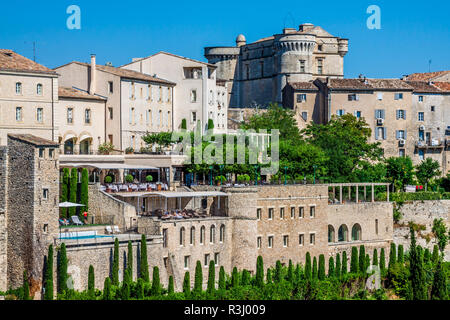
x=412 y=32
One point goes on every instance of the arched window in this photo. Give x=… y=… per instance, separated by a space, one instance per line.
x=212 y=234
x=39 y=89
x=222 y=233
x=192 y=237
x=331 y=236
x=182 y=236
x=356 y=232
x=343 y=233
x=202 y=235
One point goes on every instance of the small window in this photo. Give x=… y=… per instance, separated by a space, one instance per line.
x=216 y=258
x=312 y=212
x=39 y=89
x=421 y=154
x=110 y=111
x=165 y=235
x=319 y=66
x=45 y=194
x=281 y=213
x=301 y=97
x=182 y=236
x=193 y=116
x=87 y=116
x=270 y=241
x=40 y=115
x=202 y=235
x=376 y=226
x=41 y=153
x=312 y=238
x=420 y=98
x=51 y=153
x=18 y=114
x=270 y=213
x=192 y=236
x=212 y=234
x=285 y=241
x=302 y=66
x=110 y=87
x=421 y=116
x=380 y=96
x=206 y=260
x=398 y=96
x=193 y=96
x=353 y=97
x=358 y=114
x=320 y=47
x=305 y=116
x=258 y=213
x=301 y=239
x=69 y=115
x=258 y=242
x=18 y=88
x=401 y=152
x=401 y=114
x=187 y=262
x=292 y=212
x=301 y=211
x=46 y=228
x=432 y=108
x=340 y=112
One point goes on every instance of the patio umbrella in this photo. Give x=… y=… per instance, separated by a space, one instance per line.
x=70 y=205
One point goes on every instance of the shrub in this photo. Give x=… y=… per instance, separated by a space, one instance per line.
x=308 y=274
x=211 y=278
x=149 y=178
x=107 y=294
x=129 y=150
x=331 y=270
x=344 y=263
x=105 y=148
x=130 y=260
x=26 y=286
x=400 y=257
x=129 y=178
x=375 y=257
x=392 y=256
x=183 y=124
x=108 y=179
x=170 y=289
x=362 y=260
x=354 y=261
x=222 y=279
x=73 y=190
x=314 y=270
x=338 y=266
x=259 y=272
x=382 y=262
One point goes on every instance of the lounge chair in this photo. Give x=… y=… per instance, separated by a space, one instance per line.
x=63 y=222
x=108 y=230
x=76 y=221
x=116 y=229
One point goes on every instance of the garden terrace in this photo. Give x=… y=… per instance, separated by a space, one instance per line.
x=340 y=193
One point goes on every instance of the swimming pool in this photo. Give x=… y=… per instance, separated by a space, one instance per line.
x=85 y=237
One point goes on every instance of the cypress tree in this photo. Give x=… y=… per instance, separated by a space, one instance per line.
x=126 y=285
x=367 y=262
x=435 y=255
x=321 y=267
x=64 y=191
x=130 y=260
x=211 y=278
x=62 y=269
x=400 y=257
x=187 y=284
x=269 y=275
x=439 y=287
x=198 y=282
x=290 y=275
x=298 y=273
x=222 y=279
x=382 y=262
x=314 y=270
x=338 y=266
x=73 y=190
x=26 y=286
x=362 y=259
x=84 y=190
x=344 y=263
x=140 y=289
x=375 y=257
x=107 y=295
x=331 y=271
x=115 y=267
x=416 y=270
x=278 y=271
x=91 y=282
x=259 y=272
x=144 y=272
x=392 y=256
x=49 y=275
x=234 y=278
x=354 y=261
x=427 y=256
x=210 y=124
x=308 y=274
x=245 y=278
x=156 y=284
x=170 y=289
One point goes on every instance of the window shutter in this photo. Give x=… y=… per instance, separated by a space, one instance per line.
x=397 y=114
x=397 y=134
x=376 y=114
x=131 y=116
x=404 y=114
x=382 y=113
x=405 y=134
x=376 y=133
x=384 y=133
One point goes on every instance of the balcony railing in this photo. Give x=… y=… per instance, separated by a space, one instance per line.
x=435 y=143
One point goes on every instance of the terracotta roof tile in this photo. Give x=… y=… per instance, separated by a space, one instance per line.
x=355 y=84
x=390 y=84
x=368 y=84
x=425 y=75
x=304 y=86
x=12 y=61
x=34 y=140
x=65 y=92
x=423 y=86
x=444 y=86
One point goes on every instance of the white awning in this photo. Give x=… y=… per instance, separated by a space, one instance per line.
x=84 y=137
x=69 y=136
x=105 y=166
x=172 y=194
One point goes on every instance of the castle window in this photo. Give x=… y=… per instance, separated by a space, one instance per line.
x=433 y=108
x=340 y=112
x=376 y=226
x=206 y=260
x=312 y=212
x=401 y=114
x=212 y=234
x=202 y=235
x=331 y=237
x=305 y=116
x=312 y=238
x=41 y=152
x=292 y=212
x=270 y=241
x=258 y=213
x=69 y=115
x=270 y=213
x=285 y=241
x=398 y=96
x=357 y=114
x=165 y=238
x=421 y=116
x=39 y=89
x=18 y=114
x=281 y=213
x=187 y=262
x=301 y=211
x=45 y=194
x=301 y=239
x=46 y=228
x=343 y=233
x=216 y=258
x=353 y=97
x=258 y=242
x=50 y=153
x=192 y=236
x=87 y=116
x=222 y=233
x=320 y=47
x=319 y=66
x=356 y=232
x=18 y=88
x=110 y=87
x=182 y=236
x=39 y=115
x=110 y=110
x=302 y=66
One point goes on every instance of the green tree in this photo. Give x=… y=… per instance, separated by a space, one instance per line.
x=392 y=256
x=130 y=259
x=259 y=272
x=308 y=273
x=439 y=288
x=171 y=289
x=211 y=278
x=49 y=275
x=115 y=266
x=435 y=255
x=91 y=282
x=400 y=171
x=441 y=233
x=156 y=284
x=400 y=256
x=140 y=289
x=382 y=262
x=338 y=266
x=144 y=272
x=234 y=278
x=427 y=170
x=107 y=294
x=331 y=270
x=245 y=281
x=62 y=269
x=126 y=290
x=26 y=286
x=354 y=261
x=427 y=256
x=84 y=190
x=222 y=279
x=269 y=275
x=290 y=275
x=321 y=267
x=416 y=270
x=198 y=282
x=315 y=274
x=344 y=263
x=73 y=190
x=183 y=124
x=362 y=260
x=277 y=277
x=65 y=191
x=375 y=257
x=366 y=263
x=187 y=284
x=210 y=124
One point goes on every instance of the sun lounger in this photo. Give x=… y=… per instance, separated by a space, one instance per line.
x=116 y=229
x=108 y=230
x=63 y=222
x=76 y=221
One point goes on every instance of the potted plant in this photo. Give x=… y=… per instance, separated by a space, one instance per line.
x=108 y=180
x=105 y=148
x=129 y=150
x=129 y=178
x=220 y=179
x=149 y=179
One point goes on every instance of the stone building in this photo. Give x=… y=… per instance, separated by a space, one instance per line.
x=257 y=72
x=136 y=103
x=199 y=94
x=28 y=96
x=29 y=199
x=80 y=121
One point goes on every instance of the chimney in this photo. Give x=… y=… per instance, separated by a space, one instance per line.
x=92 y=86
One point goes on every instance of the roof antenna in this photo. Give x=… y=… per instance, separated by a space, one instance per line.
x=429 y=65
x=289 y=15
x=34 y=51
